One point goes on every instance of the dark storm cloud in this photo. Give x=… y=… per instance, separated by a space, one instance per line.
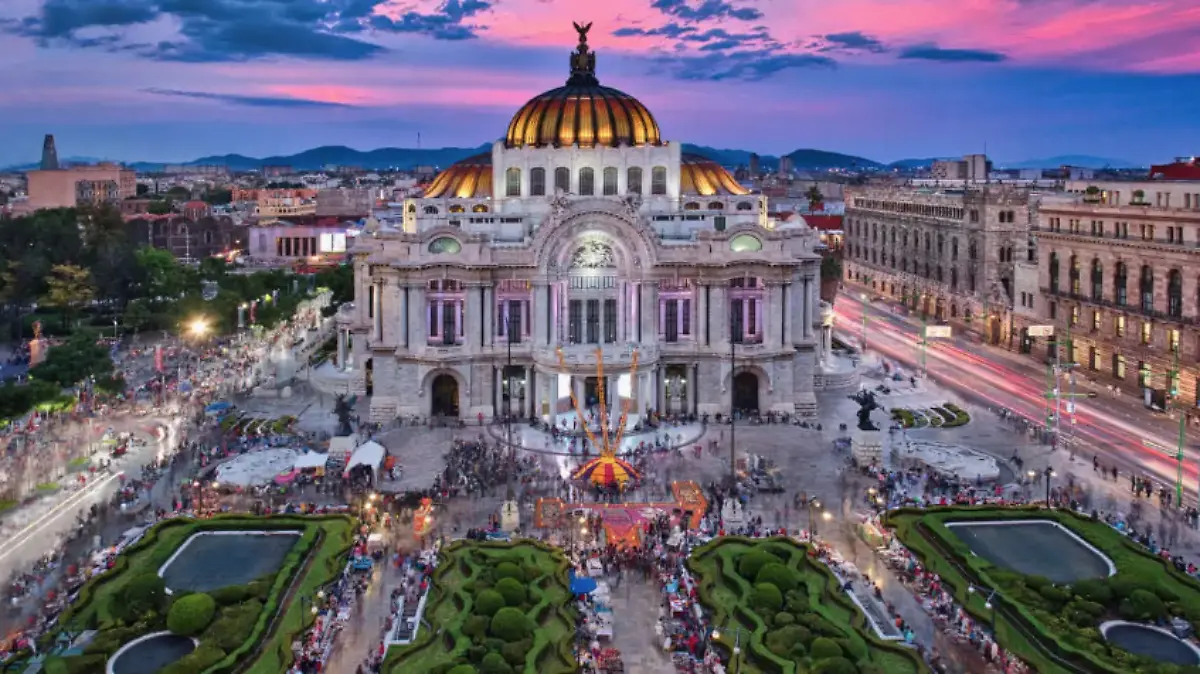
x=239 y=30
x=931 y=52
x=706 y=10
x=253 y=101
x=751 y=65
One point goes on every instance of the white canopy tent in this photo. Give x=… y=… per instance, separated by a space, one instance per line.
x=370 y=454
x=311 y=460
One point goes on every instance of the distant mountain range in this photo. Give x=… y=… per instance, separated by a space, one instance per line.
x=408 y=158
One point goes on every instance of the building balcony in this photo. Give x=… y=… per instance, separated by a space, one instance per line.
x=581 y=359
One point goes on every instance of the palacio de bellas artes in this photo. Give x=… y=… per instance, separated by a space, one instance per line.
x=585 y=254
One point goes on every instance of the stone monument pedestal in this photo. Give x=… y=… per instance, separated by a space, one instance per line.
x=510 y=516
x=872 y=447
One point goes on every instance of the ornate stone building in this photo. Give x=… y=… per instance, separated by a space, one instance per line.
x=949 y=253
x=583 y=231
x=1121 y=270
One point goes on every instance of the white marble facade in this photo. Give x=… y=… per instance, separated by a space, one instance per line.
x=573 y=259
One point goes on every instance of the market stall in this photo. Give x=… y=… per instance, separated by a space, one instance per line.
x=367 y=457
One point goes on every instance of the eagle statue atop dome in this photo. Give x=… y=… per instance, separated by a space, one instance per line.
x=582 y=30
x=583 y=59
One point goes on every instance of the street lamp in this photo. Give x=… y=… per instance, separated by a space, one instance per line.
x=738 y=631
x=198 y=327
x=988 y=603
x=1048 y=473
x=812 y=521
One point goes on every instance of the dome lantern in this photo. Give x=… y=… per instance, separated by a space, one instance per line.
x=582 y=113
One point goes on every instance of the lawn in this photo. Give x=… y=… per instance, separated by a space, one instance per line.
x=792 y=610
x=1054 y=627
x=496 y=607
x=248 y=627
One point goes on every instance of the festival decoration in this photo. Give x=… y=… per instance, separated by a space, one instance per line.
x=606 y=470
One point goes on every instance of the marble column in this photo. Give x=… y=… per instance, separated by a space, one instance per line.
x=489 y=314
x=649 y=311
x=660 y=389
x=810 y=296
x=377 y=312
x=541 y=317
x=416 y=318
x=341 y=349
x=770 y=329
x=390 y=304
x=700 y=324
x=719 y=313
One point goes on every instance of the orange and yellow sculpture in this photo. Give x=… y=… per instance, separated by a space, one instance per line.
x=606 y=470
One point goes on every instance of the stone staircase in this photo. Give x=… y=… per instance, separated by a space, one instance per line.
x=383 y=409
x=408 y=619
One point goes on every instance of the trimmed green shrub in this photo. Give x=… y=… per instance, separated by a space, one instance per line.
x=766 y=598
x=783 y=619
x=824 y=647
x=493 y=663
x=463 y=669
x=234 y=594
x=488 y=602
x=1093 y=590
x=749 y=564
x=837 y=665
x=512 y=590
x=75 y=664
x=191 y=614
x=778 y=575
x=781 y=641
x=514 y=653
x=146 y=593
x=205 y=656
x=508 y=570
x=1142 y=605
x=476 y=627
x=510 y=624
x=234 y=625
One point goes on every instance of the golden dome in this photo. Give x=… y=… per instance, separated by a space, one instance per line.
x=699 y=175
x=583 y=113
x=470 y=178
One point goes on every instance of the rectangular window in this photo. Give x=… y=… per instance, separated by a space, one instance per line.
x=752 y=317
x=512 y=182
x=562 y=179
x=736 y=327
x=610 y=321
x=1173 y=340
x=1075 y=315
x=633 y=180
x=537 y=182
x=658 y=180
x=448 y=328
x=1053 y=311
x=610 y=181
x=1118 y=366
x=685 y=317
x=593 y=321
x=575 y=321
x=513 y=324
x=1119 y=325
x=671 y=325
x=1143 y=374
x=1096 y=320
x=1093 y=358
x=1146 y=334
x=371 y=301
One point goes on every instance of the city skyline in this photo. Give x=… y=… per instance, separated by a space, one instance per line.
x=884 y=79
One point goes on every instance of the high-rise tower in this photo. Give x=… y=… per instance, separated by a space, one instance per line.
x=49 y=154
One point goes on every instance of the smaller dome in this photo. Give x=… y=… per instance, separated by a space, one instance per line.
x=701 y=176
x=470 y=178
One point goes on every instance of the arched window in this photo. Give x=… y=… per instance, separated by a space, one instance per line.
x=1146 y=288
x=954 y=248
x=512 y=182
x=1053 y=265
x=941 y=243
x=431 y=210
x=1073 y=271
x=691 y=206
x=562 y=179
x=1097 y=279
x=1120 y=283
x=479 y=208
x=1175 y=294
x=953 y=279
x=716 y=206
x=658 y=180
x=744 y=206
x=587 y=181
x=537 y=182
x=633 y=180
x=454 y=208
x=610 y=181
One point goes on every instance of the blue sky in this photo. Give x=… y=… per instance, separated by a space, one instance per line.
x=172 y=80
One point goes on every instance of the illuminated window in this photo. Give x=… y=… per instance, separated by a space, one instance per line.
x=1096 y=320
x=1118 y=366
x=562 y=179
x=1146 y=333
x=1119 y=325
x=691 y=206
x=445 y=245
x=512 y=182
x=1173 y=340
x=744 y=243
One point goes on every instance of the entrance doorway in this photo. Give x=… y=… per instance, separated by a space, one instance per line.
x=444 y=396
x=994 y=328
x=678 y=401
x=513 y=390
x=591 y=392
x=745 y=392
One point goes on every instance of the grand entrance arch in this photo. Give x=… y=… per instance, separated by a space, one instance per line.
x=444 y=396
x=745 y=392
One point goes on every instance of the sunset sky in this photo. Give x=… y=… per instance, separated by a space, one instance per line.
x=172 y=80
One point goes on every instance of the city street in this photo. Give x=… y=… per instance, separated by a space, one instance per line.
x=1113 y=429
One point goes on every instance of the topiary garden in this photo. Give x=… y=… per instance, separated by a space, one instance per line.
x=791 y=607
x=245 y=628
x=495 y=608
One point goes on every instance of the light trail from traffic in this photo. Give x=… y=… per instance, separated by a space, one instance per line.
x=1114 y=441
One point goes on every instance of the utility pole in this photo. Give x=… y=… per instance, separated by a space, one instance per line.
x=732 y=402
x=1173 y=392
x=865 y=305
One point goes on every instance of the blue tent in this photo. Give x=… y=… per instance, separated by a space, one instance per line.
x=217 y=407
x=582 y=585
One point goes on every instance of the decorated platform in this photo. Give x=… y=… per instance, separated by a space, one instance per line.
x=623 y=522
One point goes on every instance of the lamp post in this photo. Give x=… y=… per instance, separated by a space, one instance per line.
x=1049 y=473
x=988 y=603
x=735 y=661
x=733 y=340
x=813 y=504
